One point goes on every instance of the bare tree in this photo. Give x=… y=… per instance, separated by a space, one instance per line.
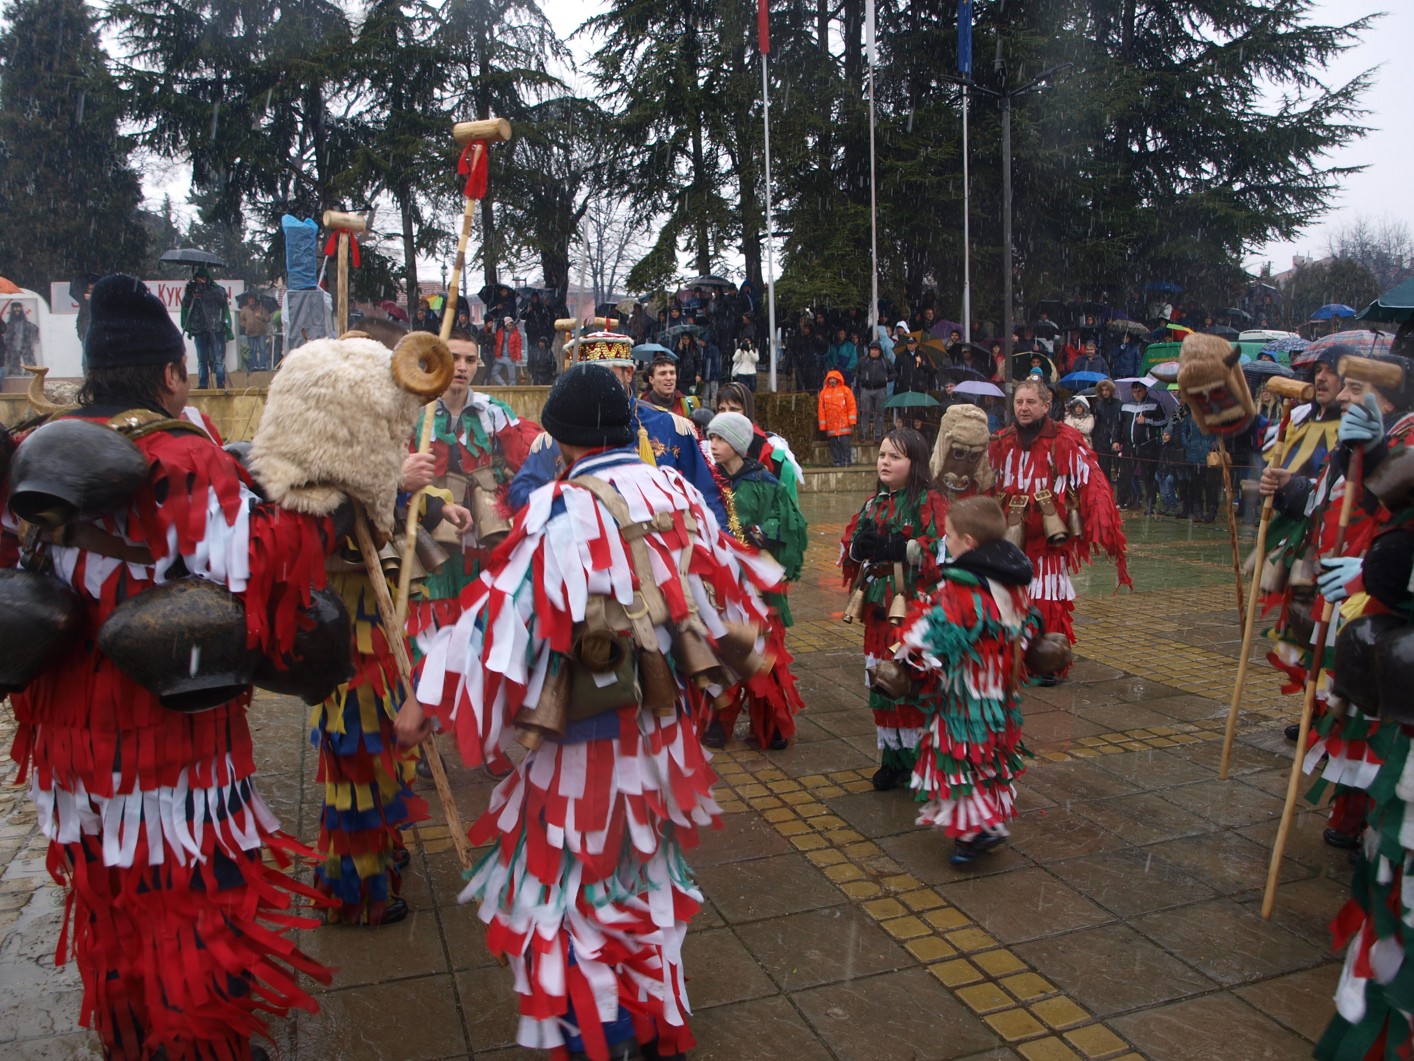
x=614 y=238
x=1383 y=245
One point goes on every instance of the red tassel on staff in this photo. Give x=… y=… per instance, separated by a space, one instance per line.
x=473 y=163
x=333 y=244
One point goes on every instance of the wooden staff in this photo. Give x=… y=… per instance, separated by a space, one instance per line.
x=1232 y=530
x=477 y=134
x=1380 y=374
x=1291 y=392
x=572 y=327
x=345 y=225
x=398 y=643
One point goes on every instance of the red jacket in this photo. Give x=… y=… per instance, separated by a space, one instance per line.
x=836 y=406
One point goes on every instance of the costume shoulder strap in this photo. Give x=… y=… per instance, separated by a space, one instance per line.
x=137 y=423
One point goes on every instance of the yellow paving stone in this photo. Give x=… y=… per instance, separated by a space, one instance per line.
x=828 y=792
x=842 y=776
x=1060 y=1012
x=810 y=810
x=882 y=909
x=901 y=882
x=955 y=973
x=771 y=773
x=929 y=949
x=858 y=786
x=779 y=814
x=826 y=857
x=1047 y=1050
x=947 y=919
x=731 y=806
x=922 y=899
x=984 y=998
x=750 y=791
x=811 y=780
x=1095 y=1040
x=793 y=827
x=866 y=849
x=809 y=842
x=1161 y=742
x=829 y=821
x=861 y=889
x=843 y=872
x=1028 y=986
x=797 y=798
x=1115 y=749
x=433 y=847
x=1091 y=742
x=905 y=927
x=999 y=963
x=784 y=786
x=1112 y=737
x=766 y=802
x=1014 y=1024
x=1084 y=753
x=970 y=939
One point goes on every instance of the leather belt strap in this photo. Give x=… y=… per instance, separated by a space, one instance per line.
x=89 y=538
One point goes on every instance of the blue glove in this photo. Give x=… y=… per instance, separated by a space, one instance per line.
x=1336 y=575
x=1362 y=422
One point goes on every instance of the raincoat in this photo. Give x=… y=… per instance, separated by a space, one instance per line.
x=838 y=413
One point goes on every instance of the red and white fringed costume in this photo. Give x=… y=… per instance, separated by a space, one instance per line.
x=1058 y=460
x=585 y=890
x=967 y=638
x=156 y=829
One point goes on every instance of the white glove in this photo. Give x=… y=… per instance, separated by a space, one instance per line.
x=1362 y=422
x=1336 y=575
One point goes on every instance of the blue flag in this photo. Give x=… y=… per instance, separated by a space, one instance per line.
x=964 y=37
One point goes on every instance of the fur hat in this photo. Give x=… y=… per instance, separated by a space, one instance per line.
x=128 y=325
x=733 y=429
x=588 y=406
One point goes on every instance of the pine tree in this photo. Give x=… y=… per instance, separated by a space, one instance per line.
x=70 y=195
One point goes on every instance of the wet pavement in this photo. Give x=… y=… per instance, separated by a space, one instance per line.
x=1121 y=921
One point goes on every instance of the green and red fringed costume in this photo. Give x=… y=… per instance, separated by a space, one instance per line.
x=898 y=723
x=966 y=639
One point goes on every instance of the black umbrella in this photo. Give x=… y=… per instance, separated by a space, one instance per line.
x=1044 y=329
x=681 y=329
x=959 y=373
x=1222 y=331
x=1055 y=309
x=1236 y=314
x=1258 y=372
x=192 y=256
x=708 y=280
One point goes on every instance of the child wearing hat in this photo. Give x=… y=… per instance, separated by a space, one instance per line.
x=764 y=514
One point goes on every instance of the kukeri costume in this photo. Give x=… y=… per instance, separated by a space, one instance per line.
x=1060 y=510
x=156 y=829
x=613 y=591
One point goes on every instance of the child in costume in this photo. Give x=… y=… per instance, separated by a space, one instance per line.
x=889 y=551
x=577 y=641
x=967 y=639
x=771 y=521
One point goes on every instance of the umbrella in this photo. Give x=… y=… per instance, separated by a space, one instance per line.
x=942 y=328
x=1163 y=285
x=1258 y=372
x=912 y=400
x=1053 y=308
x=708 y=280
x=648 y=351
x=935 y=350
x=959 y=373
x=393 y=310
x=272 y=303
x=1021 y=365
x=1395 y=306
x=1235 y=314
x=1333 y=311
x=978 y=387
x=1164 y=372
x=1282 y=349
x=1076 y=380
x=1129 y=327
x=1222 y=331
x=679 y=330
x=1359 y=343
x=1044 y=329
x=1164 y=399
x=192 y=256
x=1148 y=381
x=627 y=305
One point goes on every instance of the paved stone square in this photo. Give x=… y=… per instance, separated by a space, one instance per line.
x=1120 y=922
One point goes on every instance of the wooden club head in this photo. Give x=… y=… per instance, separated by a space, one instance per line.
x=494 y=129
x=1290 y=389
x=337 y=219
x=1368 y=370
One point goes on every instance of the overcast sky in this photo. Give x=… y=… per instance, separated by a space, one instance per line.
x=1381 y=189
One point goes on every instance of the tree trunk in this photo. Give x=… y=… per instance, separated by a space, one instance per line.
x=409 y=255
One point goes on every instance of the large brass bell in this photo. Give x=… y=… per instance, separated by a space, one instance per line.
x=1016 y=520
x=491 y=526
x=892 y=679
x=854 y=607
x=460 y=488
x=694 y=656
x=898 y=607
x=656 y=682
x=1051 y=522
x=547 y=717
x=737 y=649
x=429 y=551
x=1073 y=522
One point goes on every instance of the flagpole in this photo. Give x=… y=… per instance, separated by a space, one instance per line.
x=966 y=233
x=770 y=234
x=873 y=202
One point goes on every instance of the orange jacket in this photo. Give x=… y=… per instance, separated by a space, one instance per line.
x=837 y=411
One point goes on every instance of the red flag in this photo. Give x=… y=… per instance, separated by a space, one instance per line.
x=763 y=27
x=474 y=164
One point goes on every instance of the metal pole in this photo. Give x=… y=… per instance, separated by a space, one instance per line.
x=770 y=234
x=966 y=233
x=873 y=207
x=1007 y=323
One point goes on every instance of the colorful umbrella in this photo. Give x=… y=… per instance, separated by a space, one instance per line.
x=1359 y=343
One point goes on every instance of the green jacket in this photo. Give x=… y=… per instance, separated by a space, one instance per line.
x=770 y=517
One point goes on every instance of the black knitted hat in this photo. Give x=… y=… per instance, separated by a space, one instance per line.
x=588 y=406
x=128 y=325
